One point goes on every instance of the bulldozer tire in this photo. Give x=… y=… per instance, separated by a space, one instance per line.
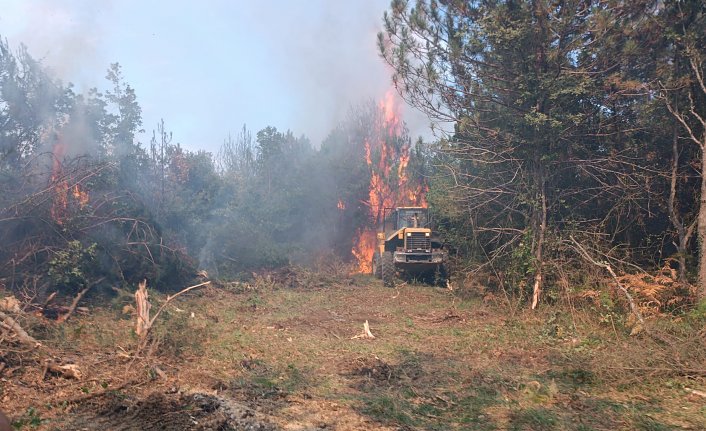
x=387 y=263
x=377 y=265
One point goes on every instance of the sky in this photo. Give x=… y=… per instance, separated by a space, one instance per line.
x=208 y=67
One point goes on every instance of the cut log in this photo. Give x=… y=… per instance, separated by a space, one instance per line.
x=69 y=371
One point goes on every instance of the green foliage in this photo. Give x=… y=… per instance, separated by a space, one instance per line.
x=523 y=259
x=698 y=314
x=557 y=127
x=72 y=266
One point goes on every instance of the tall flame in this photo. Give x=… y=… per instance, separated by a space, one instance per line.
x=60 y=184
x=384 y=190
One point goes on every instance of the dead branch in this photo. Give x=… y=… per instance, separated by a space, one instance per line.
x=74 y=303
x=633 y=308
x=9 y=324
x=170 y=297
x=49 y=299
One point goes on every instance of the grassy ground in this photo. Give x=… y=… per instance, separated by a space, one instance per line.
x=438 y=362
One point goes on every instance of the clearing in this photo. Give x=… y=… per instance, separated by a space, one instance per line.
x=267 y=356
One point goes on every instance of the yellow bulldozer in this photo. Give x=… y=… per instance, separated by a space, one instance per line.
x=406 y=245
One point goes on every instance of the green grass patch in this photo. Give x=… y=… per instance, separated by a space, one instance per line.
x=534 y=419
x=264 y=382
x=388 y=410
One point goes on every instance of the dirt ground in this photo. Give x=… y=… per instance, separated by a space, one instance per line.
x=285 y=358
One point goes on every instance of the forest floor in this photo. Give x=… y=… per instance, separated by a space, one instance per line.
x=275 y=357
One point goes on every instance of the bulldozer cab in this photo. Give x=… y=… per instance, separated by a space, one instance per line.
x=405 y=217
x=412 y=217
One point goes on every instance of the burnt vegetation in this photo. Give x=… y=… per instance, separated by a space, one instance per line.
x=83 y=198
x=567 y=176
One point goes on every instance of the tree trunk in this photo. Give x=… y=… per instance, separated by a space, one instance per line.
x=540 y=15
x=702 y=225
x=683 y=233
x=539 y=252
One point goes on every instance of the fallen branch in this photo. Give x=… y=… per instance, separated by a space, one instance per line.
x=9 y=324
x=74 y=303
x=49 y=299
x=633 y=308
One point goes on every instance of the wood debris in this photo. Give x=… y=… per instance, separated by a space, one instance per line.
x=9 y=324
x=77 y=299
x=143 y=310
x=366 y=332
x=10 y=304
x=69 y=371
x=696 y=392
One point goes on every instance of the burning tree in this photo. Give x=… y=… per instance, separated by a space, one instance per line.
x=387 y=151
x=64 y=187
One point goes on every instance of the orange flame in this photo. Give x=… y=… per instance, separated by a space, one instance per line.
x=341 y=205
x=391 y=113
x=60 y=184
x=384 y=191
x=364 y=249
x=80 y=195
